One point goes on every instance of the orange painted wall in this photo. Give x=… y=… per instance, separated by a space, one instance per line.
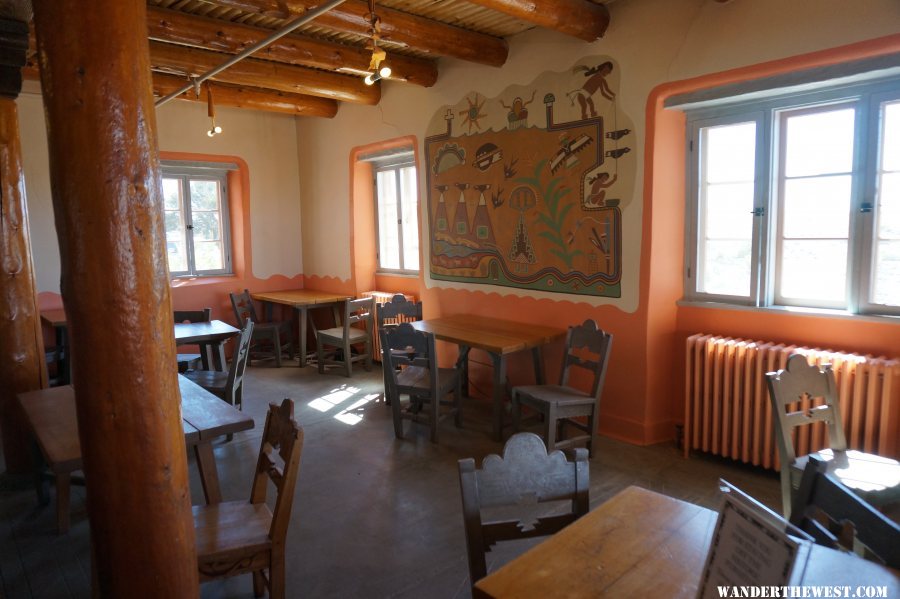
x=669 y=324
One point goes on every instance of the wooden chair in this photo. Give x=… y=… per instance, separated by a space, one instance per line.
x=398 y=310
x=189 y=361
x=228 y=386
x=822 y=498
x=238 y=537
x=526 y=473
x=343 y=337
x=426 y=385
x=269 y=338
x=876 y=479
x=560 y=404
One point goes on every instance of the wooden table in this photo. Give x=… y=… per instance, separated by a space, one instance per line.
x=50 y=413
x=643 y=544
x=498 y=338
x=210 y=336
x=302 y=300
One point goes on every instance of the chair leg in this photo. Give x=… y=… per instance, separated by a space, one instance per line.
x=276 y=348
x=276 y=577
x=320 y=356
x=516 y=408
x=368 y=362
x=435 y=409
x=550 y=425
x=348 y=360
x=457 y=397
x=259 y=584
x=592 y=422
x=63 y=495
x=397 y=417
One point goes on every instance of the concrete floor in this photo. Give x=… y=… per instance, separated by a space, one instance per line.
x=373 y=516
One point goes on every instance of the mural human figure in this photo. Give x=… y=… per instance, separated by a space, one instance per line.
x=599 y=184
x=596 y=81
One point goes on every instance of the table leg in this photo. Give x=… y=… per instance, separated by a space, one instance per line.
x=538 y=365
x=268 y=308
x=462 y=364
x=218 y=352
x=209 y=476
x=303 y=316
x=499 y=393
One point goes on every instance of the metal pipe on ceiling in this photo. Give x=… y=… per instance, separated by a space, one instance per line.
x=292 y=25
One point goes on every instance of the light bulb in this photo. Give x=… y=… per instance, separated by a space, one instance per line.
x=217 y=129
x=370 y=79
x=210 y=133
x=385 y=70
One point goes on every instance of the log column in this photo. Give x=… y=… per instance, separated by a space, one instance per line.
x=22 y=365
x=107 y=200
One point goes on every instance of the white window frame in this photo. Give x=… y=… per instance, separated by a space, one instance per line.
x=766 y=112
x=394 y=164
x=194 y=171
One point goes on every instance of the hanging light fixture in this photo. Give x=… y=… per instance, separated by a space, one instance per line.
x=211 y=111
x=378 y=67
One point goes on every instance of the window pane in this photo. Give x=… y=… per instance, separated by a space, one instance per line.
x=726 y=205
x=171 y=194
x=814 y=270
x=819 y=143
x=409 y=204
x=206 y=226
x=726 y=268
x=176 y=247
x=204 y=195
x=890 y=157
x=208 y=255
x=817 y=207
x=887 y=273
x=388 y=240
x=729 y=152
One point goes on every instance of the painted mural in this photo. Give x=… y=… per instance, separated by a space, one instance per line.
x=527 y=189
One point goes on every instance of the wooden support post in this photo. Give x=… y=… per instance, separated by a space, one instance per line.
x=22 y=365
x=107 y=200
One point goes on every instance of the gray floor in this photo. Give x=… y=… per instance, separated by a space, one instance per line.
x=373 y=516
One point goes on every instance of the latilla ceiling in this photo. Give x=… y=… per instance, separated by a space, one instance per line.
x=322 y=63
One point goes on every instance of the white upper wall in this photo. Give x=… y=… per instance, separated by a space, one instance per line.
x=264 y=140
x=653 y=41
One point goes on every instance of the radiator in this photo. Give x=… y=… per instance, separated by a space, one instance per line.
x=383 y=297
x=727 y=411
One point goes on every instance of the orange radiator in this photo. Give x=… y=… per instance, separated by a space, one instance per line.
x=727 y=410
x=383 y=297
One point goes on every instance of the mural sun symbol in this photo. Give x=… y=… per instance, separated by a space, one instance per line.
x=473 y=113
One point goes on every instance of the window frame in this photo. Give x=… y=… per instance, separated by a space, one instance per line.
x=395 y=164
x=185 y=172
x=866 y=98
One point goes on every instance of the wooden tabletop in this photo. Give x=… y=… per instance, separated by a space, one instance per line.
x=490 y=334
x=300 y=297
x=51 y=413
x=194 y=332
x=643 y=544
x=54 y=318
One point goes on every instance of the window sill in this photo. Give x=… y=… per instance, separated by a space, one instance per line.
x=187 y=281
x=402 y=275
x=793 y=311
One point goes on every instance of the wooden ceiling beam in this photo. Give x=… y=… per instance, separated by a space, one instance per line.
x=246 y=97
x=181 y=60
x=579 y=18
x=181 y=28
x=417 y=33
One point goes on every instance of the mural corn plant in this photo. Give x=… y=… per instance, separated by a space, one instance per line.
x=555 y=216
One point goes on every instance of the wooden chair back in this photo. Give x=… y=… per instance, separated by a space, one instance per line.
x=587 y=337
x=243 y=307
x=402 y=345
x=284 y=438
x=235 y=384
x=525 y=473
x=792 y=391
x=822 y=498
x=181 y=316
x=358 y=310
x=399 y=307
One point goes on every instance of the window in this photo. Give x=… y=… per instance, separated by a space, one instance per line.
x=396 y=205
x=198 y=238
x=794 y=200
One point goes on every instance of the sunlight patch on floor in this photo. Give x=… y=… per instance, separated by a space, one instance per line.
x=334 y=398
x=349 y=416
